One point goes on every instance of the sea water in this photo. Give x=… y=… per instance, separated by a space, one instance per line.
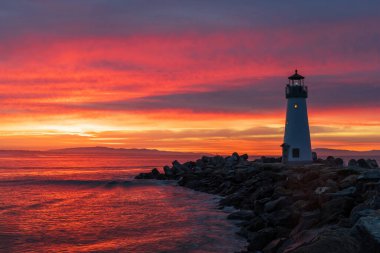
x=84 y=203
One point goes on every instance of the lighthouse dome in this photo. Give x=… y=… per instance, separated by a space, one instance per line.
x=296 y=76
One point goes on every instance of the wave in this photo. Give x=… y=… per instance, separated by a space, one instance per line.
x=81 y=182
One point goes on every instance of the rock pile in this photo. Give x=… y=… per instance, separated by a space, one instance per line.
x=321 y=207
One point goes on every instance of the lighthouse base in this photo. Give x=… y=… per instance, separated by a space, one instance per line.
x=297 y=162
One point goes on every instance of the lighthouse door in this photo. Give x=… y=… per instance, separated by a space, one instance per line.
x=285 y=153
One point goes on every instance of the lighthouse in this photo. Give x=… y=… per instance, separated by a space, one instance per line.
x=296 y=148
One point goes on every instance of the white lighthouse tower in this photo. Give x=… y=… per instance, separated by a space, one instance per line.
x=297 y=145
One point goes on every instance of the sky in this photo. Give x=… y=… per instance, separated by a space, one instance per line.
x=189 y=75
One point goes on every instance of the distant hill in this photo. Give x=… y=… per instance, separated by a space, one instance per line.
x=341 y=152
x=103 y=151
x=106 y=150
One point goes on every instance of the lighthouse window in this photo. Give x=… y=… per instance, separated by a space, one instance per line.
x=295 y=106
x=296 y=152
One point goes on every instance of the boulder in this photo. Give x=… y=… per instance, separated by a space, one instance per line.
x=363 y=164
x=274 y=245
x=287 y=218
x=357 y=214
x=235 y=156
x=367 y=231
x=244 y=157
x=322 y=190
x=307 y=221
x=339 y=162
x=372 y=175
x=260 y=239
x=348 y=192
x=155 y=172
x=256 y=223
x=372 y=163
x=335 y=209
x=241 y=215
x=176 y=165
x=352 y=163
x=330 y=241
x=314 y=156
x=348 y=181
x=310 y=176
x=279 y=203
x=168 y=171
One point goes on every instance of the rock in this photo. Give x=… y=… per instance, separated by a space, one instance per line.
x=322 y=190
x=168 y=171
x=176 y=165
x=235 y=156
x=310 y=176
x=356 y=215
x=287 y=218
x=307 y=221
x=218 y=161
x=232 y=160
x=373 y=175
x=348 y=181
x=367 y=231
x=274 y=245
x=241 y=215
x=349 y=171
x=256 y=224
x=330 y=241
x=155 y=172
x=244 y=157
x=339 y=162
x=332 y=184
x=352 y=163
x=314 y=156
x=260 y=239
x=348 y=192
x=373 y=202
x=334 y=209
x=232 y=200
x=279 y=203
x=372 y=163
x=363 y=164
x=144 y=176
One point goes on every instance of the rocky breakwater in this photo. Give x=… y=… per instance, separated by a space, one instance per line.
x=321 y=207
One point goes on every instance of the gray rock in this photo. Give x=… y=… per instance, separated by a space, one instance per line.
x=244 y=157
x=330 y=241
x=372 y=163
x=348 y=192
x=322 y=190
x=168 y=171
x=235 y=156
x=336 y=208
x=276 y=204
x=260 y=239
x=287 y=218
x=176 y=165
x=356 y=215
x=363 y=164
x=307 y=221
x=352 y=163
x=348 y=181
x=274 y=245
x=367 y=231
x=155 y=172
x=372 y=175
x=241 y=215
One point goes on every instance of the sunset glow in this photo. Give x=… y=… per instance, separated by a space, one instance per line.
x=212 y=81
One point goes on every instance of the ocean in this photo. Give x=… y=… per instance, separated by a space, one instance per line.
x=84 y=203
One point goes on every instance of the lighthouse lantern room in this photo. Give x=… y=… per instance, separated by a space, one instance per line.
x=297 y=145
